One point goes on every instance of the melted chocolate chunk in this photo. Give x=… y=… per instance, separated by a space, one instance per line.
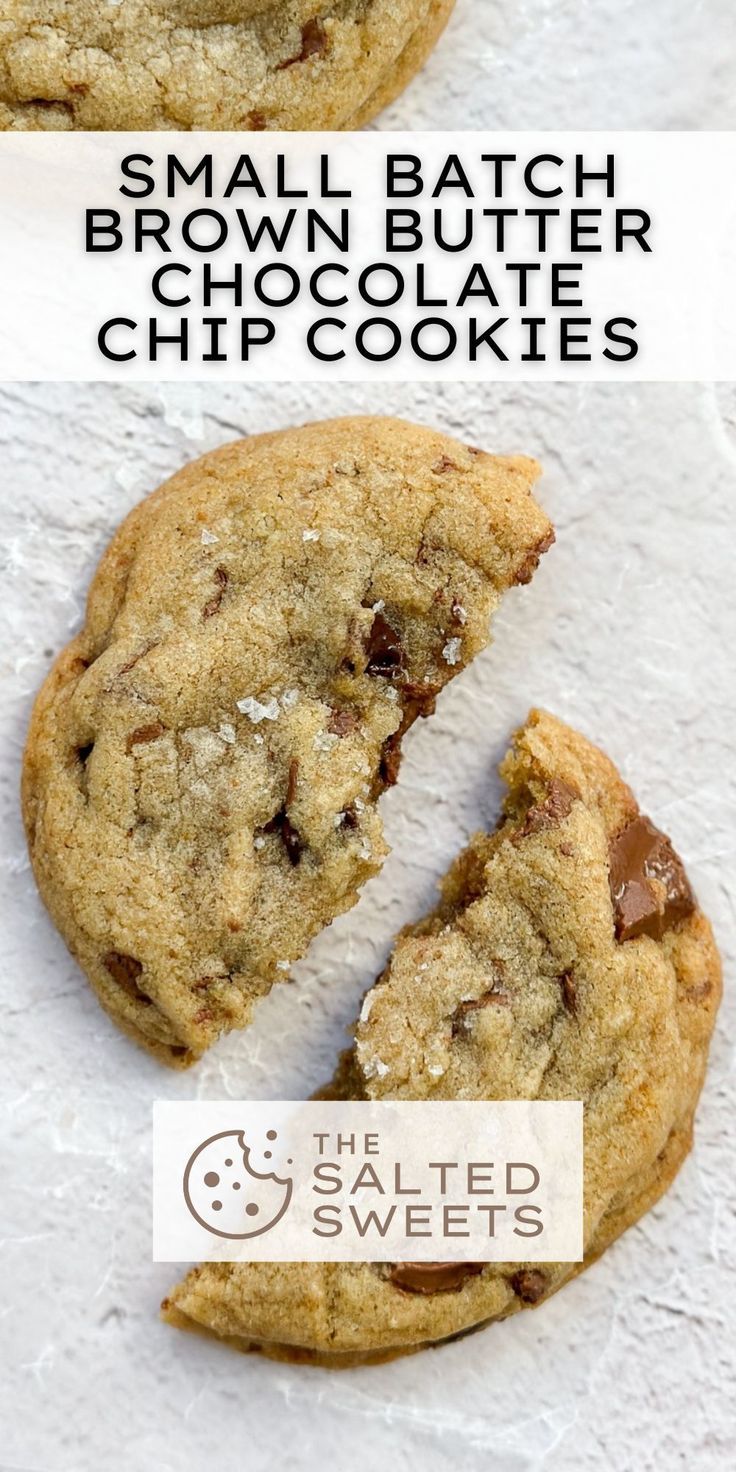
x=384 y=650
x=342 y=722
x=144 y=734
x=529 y=1285
x=433 y=1277
x=125 y=970
x=556 y=806
x=420 y=698
x=135 y=658
x=569 y=991
x=390 y=763
x=462 y=1017
x=649 y=886
x=281 y=824
x=291 y=841
x=213 y=604
x=291 y=784
x=314 y=43
x=525 y=572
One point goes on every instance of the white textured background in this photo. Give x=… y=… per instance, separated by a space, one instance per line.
x=628 y=631
x=578 y=64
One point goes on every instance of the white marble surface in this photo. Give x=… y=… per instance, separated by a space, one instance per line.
x=578 y=64
x=627 y=631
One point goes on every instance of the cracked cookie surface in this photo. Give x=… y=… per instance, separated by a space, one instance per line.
x=210 y=64
x=567 y=959
x=205 y=758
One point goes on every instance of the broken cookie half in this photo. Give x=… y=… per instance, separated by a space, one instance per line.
x=205 y=758
x=567 y=959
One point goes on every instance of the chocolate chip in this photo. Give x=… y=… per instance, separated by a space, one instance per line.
x=383 y=649
x=256 y=122
x=463 y=1015
x=84 y=753
x=342 y=722
x=292 y=781
x=281 y=824
x=44 y=102
x=134 y=658
x=349 y=818
x=556 y=806
x=529 y=1285
x=125 y=970
x=649 y=886
x=212 y=607
x=417 y=700
x=144 y=734
x=420 y=699
x=314 y=43
x=292 y=842
x=569 y=991
x=390 y=763
x=526 y=570
x=433 y=1277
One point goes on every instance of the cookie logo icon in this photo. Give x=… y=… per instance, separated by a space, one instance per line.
x=227 y=1195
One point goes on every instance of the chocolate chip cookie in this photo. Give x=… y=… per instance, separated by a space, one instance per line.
x=225 y=64
x=205 y=758
x=567 y=959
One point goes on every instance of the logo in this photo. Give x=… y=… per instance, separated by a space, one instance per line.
x=227 y=1195
x=353 y=1180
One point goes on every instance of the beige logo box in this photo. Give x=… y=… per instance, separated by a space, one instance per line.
x=366 y=1181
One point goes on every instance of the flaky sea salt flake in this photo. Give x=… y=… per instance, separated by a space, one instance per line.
x=325 y=741
x=256 y=711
